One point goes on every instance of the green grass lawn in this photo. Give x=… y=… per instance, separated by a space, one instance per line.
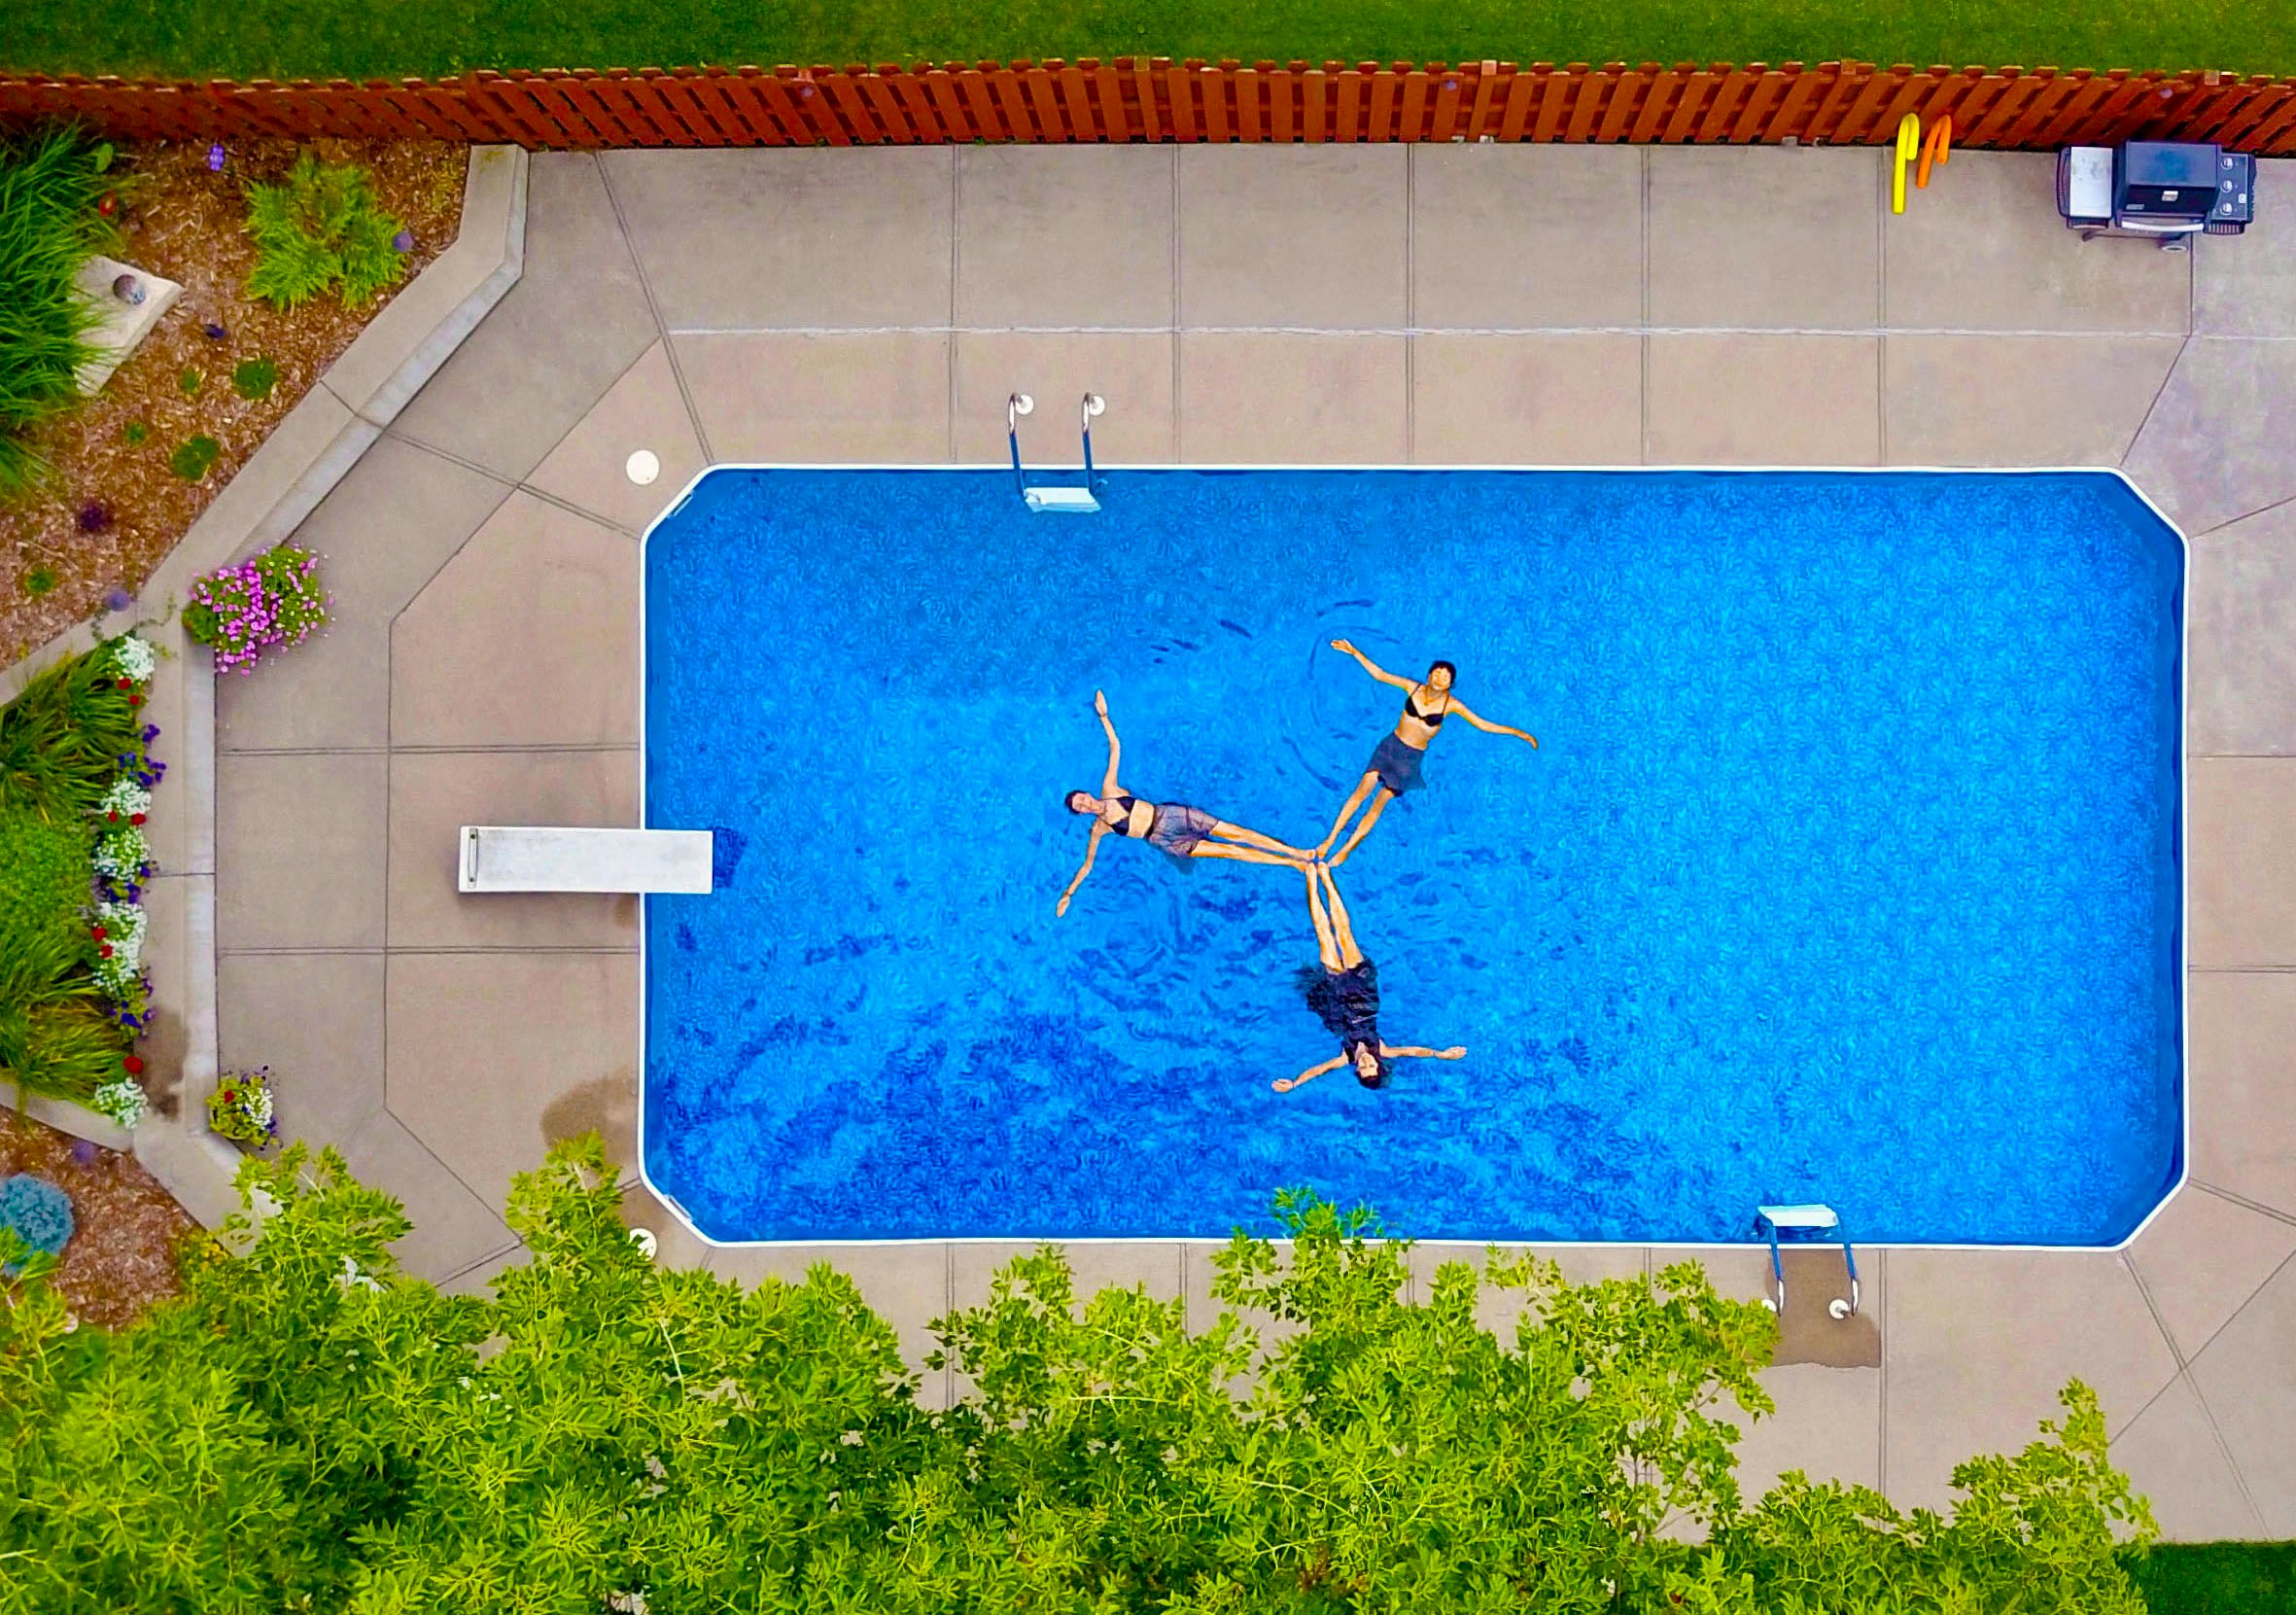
x=2219 y=1578
x=364 y=38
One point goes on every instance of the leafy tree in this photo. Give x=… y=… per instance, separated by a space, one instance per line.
x=307 y=1429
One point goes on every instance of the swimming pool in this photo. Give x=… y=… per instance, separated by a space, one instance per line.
x=1847 y=870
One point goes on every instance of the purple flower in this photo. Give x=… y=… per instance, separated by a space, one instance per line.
x=215 y=158
x=215 y=333
x=118 y=600
x=94 y=517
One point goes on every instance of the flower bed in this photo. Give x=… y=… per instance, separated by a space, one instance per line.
x=136 y=464
x=76 y=780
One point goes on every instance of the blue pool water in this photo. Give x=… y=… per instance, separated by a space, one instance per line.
x=1846 y=869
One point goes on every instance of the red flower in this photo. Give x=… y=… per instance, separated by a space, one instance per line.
x=127 y=683
x=135 y=817
x=98 y=933
x=135 y=700
x=134 y=1064
x=104 y=952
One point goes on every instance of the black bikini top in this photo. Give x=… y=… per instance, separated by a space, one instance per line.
x=1124 y=806
x=1411 y=705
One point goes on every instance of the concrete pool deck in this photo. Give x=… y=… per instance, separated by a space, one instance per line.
x=1389 y=304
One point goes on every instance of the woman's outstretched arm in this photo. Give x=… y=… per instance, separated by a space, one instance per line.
x=1108 y=786
x=1370 y=666
x=1490 y=728
x=1413 y=1051
x=1091 y=850
x=1285 y=1085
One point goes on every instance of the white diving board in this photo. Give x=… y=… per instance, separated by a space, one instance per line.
x=546 y=857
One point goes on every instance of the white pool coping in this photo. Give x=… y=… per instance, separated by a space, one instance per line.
x=2184 y=863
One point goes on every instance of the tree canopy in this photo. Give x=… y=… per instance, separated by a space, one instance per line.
x=308 y=1428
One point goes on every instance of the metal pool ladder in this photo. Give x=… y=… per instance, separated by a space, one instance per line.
x=1051 y=499
x=1817 y=1222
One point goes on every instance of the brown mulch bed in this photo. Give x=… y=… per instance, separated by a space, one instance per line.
x=183 y=222
x=121 y=1258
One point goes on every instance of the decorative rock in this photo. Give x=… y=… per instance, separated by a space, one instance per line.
x=127 y=289
x=118 y=600
x=95 y=516
x=214 y=331
x=119 y=322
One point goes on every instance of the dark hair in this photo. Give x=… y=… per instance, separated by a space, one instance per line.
x=1452 y=668
x=1385 y=1067
x=1070 y=801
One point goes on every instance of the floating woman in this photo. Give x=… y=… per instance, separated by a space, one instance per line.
x=1395 y=763
x=1172 y=827
x=1344 y=990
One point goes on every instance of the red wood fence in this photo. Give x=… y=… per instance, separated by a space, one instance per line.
x=1154 y=99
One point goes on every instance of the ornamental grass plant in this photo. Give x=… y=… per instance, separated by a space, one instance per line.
x=50 y=185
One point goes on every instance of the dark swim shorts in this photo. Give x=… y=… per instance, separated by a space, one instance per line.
x=1178 y=828
x=1398 y=765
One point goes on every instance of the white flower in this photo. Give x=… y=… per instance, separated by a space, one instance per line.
x=254 y=1103
x=133 y=657
x=125 y=797
x=122 y=1100
x=121 y=853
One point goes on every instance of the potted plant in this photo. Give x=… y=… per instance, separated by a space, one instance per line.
x=241 y=1108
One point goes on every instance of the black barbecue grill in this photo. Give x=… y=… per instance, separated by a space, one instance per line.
x=2167 y=190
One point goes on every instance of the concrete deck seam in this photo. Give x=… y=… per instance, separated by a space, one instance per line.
x=956 y=268
x=1642 y=347
x=2220 y=527
x=1410 y=308
x=407 y=1127
x=473 y=1267
x=2144 y=1291
x=411 y=950
x=1637 y=330
x=1179 y=454
x=2242 y=1200
x=2240 y=1478
x=426 y=751
x=1881 y=1401
x=1881 y=312
x=2158 y=393
x=653 y=308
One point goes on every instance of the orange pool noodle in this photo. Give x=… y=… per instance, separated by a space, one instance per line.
x=1938 y=146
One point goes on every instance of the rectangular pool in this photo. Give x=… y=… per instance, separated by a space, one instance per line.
x=1847 y=867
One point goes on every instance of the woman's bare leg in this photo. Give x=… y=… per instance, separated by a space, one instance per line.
x=1363 y=788
x=1253 y=838
x=1245 y=855
x=1326 y=947
x=1343 y=929
x=1378 y=806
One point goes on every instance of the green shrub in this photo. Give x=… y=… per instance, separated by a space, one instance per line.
x=44 y=881
x=322 y=229
x=49 y=227
x=603 y=1425
x=188 y=380
x=135 y=432
x=39 y=579
x=254 y=379
x=195 y=457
